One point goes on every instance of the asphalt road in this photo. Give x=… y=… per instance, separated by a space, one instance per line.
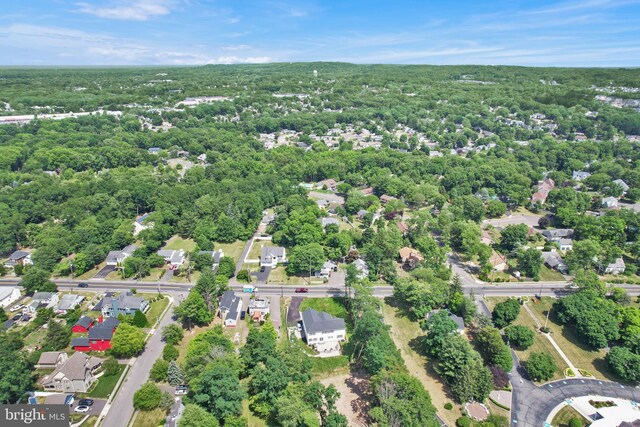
x=122 y=406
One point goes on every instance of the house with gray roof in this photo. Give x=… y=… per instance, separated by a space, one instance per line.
x=271 y=256
x=67 y=303
x=622 y=185
x=76 y=375
x=173 y=257
x=118 y=257
x=580 y=175
x=216 y=256
x=42 y=299
x=226 y=300
x=553 y=260
x=125 y=303
x=328 y=220
x=51 y=359
x=233 y=314
x=556 y=234
x=18 y=257
x=616 y=267
x=322 y=329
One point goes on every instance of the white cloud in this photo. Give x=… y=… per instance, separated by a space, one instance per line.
x=136 y=10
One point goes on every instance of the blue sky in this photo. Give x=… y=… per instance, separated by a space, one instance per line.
x=185 y=32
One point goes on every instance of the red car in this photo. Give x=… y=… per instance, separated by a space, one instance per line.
x=302 y=290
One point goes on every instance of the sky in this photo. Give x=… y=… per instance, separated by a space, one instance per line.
x=194 y=32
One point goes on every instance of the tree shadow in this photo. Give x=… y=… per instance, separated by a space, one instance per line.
x=358 y=384
x=417 y=345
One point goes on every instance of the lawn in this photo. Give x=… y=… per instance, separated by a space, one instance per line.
x=256 y=247
x=177 y=242
x=253 y=421
x=279 y=276
x=155 y=275
x=234 y=250
x=327 y=366
x=91 y=272
x=582 y=356
x=334 y=306
x=405 y=333
x=565 y=415
x=35 y=338
x=106 y=384
x=549 y=275
x=540 y=343
x=150 y=418
x=155 y=308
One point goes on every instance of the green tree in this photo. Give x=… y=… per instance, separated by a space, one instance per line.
x=147 y=397
x=493 y=348
x=158 y=372
x=530 y=262
x=16 y=375
x=211 y=288
x=226 y=267
x=202 y=262
x=137 y=267
x=575 y=422
x=57 y=337
x=513 y=236
x=172 y=334
x=624 y=363
x=196 y=416
x=174 y=374
x=127 y=341
x=505 y=312
x=306 y=259
x=519 y=336
x=36 y=279
x=111 y=366
x=139 y=319
x=218 y=390
x=193 y=310
x=438 y=328
x=170 y=352
x=540 y=366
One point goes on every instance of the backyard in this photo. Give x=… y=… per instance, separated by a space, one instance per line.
x=150 y=418
x=234 y=250
x=177 y=243
x=155 y=308
x=334 y=306
x=105 y=385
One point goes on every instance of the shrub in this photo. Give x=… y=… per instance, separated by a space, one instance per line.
x=575 y=422
x=463 y=422
x=158 y=371
x=147 y=397
x=170 y=353
x=448 y=406
x=110 y=366
x=243 y=276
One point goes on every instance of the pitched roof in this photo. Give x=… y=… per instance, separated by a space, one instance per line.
x=84 y=321
x=100 y=332
x=49 y=358
x=227 y=300
x=408 y=253
x=319 y=321
x=111 y=322
x=41 y=296
x=69 y=302
x=80 y=342
x=75 y=368
x=271 y=251
x=18 y=255
x=234 y=309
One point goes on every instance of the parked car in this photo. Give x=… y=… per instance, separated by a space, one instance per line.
x=69 y=399
x=302 y=290
x=17 y=307
x=572 y=286
x=83 y=285
x=182 y=389
x=82 y=408
x=85 y=402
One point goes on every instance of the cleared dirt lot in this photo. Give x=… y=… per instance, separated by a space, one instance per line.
x=354 y=398
x=530 y=219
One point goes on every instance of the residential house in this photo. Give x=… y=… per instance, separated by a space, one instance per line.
x=224 y=305
x=258 y=309
x=18 y=257
x=154 y=150
x=367 y=191
x=329 y=184
x=83 y=325
x=622 y=185
x=322 y=330
x=616 y=267
x=232 y=316
x=116 y=258
x=410 y=257
x=125 y=303
x=361 y=213
x=565 y=244
x=553 y=260
x=202 y=158
x=558 y=233
x=141 y=224
x=8 y=296
x=67 y=303
x=384 y=199
x=76 y=375
x=544 y=187
x=328 y=220
x=580 y=175
x=327 y=268
x=99 y=336
x=610 y=202
x=42 y=299
x=51 y=360
x=403 y=227
x=361 y=267
x=175 y=258
x=497 y=261
x=216 y=256
x=459 y=320
x=322 y=204
x=271 y=256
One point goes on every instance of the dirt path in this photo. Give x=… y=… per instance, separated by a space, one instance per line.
x=404 y=333
x=354 y=398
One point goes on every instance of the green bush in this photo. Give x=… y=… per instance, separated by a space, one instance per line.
x=463 y=422
x=170 y=353
x=575 y=422
x=448 y=406
x=147 y=398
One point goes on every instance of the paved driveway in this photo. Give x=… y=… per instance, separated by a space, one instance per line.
x=275 y=312
x=94 y=409
x=293 y=315
x=104 y=272
x=262 y=276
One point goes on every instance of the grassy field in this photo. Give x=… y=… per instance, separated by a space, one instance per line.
x=405 y=334
x=565 y=415
x=155 y=275
x=106 y=384
x=334 y=306
x=254 y=253
x=252 y=420
x=327 y=366
x=279 y=276
x=35 y=338
x=234 y=250
x=150 y=418
x=582 y=356
x=177 y=242
x=91 y=272
x=549 y=275
x=540 y=343
x=156 y=308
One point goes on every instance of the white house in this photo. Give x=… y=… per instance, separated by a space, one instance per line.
x=76 y=375
x=610 y=202
x=117 y=257
x=173 y=257
x=18 y=257
x=271 y=256
x=67 y=303
x=622 y=185
x=42 y=299
x=327 y=268
x=362 y=267
x=616 y=267
x=8 y=296
x=258 y=309
x=328 y=220
x=141 y=224
x=580 y=175
x=322 y=330
x=566 y=244
x=233 y=314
